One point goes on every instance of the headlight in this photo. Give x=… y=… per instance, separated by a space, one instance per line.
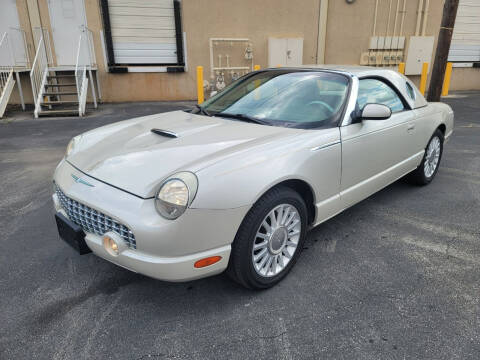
x=175 y=194
x=71 y=146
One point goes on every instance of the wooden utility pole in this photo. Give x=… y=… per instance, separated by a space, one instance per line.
x=443 y=46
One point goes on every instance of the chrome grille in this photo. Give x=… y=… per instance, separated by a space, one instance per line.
x=94 y=221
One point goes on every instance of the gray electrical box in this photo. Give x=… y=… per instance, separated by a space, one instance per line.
x=420 y=50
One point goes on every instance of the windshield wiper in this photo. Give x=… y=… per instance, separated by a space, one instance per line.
x=201 y=110
x=243 y=117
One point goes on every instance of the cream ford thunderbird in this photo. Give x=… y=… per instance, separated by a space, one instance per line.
x=235 y=183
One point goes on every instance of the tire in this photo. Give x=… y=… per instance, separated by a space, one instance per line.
x=424 y=173
x=243 y=267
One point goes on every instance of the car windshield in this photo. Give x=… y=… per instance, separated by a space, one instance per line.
x=302 y=99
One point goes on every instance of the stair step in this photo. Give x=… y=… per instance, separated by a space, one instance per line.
x=59 y=102
x=59 y=85
x=48 y=93
x=58 y=112
x=59 y=76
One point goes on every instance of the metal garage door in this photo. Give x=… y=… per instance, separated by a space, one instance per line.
x=143 y=32
x=465 y=46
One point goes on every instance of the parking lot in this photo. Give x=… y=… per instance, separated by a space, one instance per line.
x=395 y=277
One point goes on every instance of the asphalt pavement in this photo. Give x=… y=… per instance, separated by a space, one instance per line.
x=395 y=277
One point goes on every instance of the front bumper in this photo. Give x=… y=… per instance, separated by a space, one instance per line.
x=165 y=249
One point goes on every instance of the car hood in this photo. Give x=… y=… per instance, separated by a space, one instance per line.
x=128 y=155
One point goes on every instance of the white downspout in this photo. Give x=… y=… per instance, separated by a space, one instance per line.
x=387 y=31
x=425 y=17
x=211 y=60
x=393 y=47
x=419 y=17
x=322 y=31
x=375 y=19
x=403 y=17
x=374 y=30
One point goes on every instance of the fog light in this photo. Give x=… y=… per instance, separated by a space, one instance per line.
x=207 y=261
x=110 y=245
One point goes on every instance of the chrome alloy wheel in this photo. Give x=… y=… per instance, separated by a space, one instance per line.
x=432 y=157
x=276 y=240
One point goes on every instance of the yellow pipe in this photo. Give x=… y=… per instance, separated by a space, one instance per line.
x=256 y=67
x=401 y=68
x=200 y=95
x=423 y=78
x=446 y=80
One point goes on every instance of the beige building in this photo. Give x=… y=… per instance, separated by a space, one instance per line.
x=145 y=50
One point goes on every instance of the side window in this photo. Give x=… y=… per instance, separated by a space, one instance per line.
x=410 y=90
x=377 y=92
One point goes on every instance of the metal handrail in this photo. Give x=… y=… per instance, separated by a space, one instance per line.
x=38 y=74
x=41 y=32
x=81 y=64
x=14 y=45
x=6 y=48
x=6 y=70
x=90 y=47
x=5 y=74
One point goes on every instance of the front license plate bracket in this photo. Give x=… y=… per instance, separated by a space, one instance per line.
x=72 y=234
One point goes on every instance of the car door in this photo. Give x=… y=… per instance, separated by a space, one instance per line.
x=376 y=152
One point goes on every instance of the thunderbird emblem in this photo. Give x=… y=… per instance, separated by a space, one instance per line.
x=80 y=181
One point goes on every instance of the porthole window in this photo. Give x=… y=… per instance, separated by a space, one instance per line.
x=410 y=91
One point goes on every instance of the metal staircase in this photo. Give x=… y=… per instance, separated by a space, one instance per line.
x=60 y=95
x=63 y=90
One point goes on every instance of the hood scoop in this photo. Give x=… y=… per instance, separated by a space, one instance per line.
x=166 y=133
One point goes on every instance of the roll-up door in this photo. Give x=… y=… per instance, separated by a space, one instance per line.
x=465 y=46
x=144 y=32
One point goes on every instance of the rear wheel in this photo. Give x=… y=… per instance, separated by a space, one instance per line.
x=428 y=168
x=269 y=239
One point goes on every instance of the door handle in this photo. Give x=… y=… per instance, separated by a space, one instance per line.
x=411 y=127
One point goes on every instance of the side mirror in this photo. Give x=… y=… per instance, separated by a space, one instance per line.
x=375 y=112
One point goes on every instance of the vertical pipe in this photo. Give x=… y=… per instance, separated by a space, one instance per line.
x=374 y=33
x=200 y=96
x=386 y=33
x=396 y=16
x=211 y=59
x=401 y=68
x=392 y=46
x=322 y=31
x=388 y=24
x=446 y=80
x=403 y=17
x=423 y=78
x=375 y=18
x=400 y=34
x=419 y=17
x=425 y=17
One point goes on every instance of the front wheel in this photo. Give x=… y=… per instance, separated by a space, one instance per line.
x=428 y=168
x=269 y=239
